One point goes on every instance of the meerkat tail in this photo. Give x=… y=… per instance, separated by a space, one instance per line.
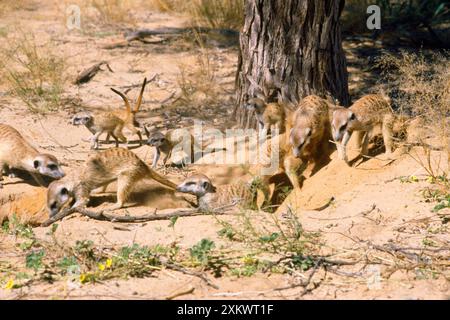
x=139 y=100
x=155 y=176
x=124 y=98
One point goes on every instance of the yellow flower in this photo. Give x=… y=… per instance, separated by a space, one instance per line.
x=9 y=285
x=108 y=263
x=430 y=179
x=101 y=266
x=249 y=260
x=83 y=278
x=413 y=179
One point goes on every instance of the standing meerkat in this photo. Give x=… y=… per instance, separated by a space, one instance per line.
x=165 y=143
x=210 y=197
x=16 y=152
x=98 y=123
x=100 y=170
x=363 y=116
x=128 y=116
x=111 y=122
x=268 y=115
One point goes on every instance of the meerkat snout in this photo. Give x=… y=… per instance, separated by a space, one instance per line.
x=48 y=165
x=81 y=119
x=255 y=104
x=156 y=140
x=197 y=185
x=59 y=194
x=299 y=139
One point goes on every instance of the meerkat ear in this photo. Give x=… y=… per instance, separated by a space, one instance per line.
x=353 y=116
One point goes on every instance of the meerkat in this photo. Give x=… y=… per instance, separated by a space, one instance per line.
x=362 y=117
x=210 y=197
x=310 y=133
x=165 y=143
x=100 y=170
x=306 y=141
x=128 y=116
x=17 y=153
x=98 y=123
x=268 y=115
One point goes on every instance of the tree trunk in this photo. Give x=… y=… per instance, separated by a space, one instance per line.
x=290 y=49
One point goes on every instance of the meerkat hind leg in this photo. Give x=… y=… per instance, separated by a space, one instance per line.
x=125 y=183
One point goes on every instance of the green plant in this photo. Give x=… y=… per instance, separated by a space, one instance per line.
x=68 y=265
x=201 y=250
x=34 y=259
x=85 y=248
x=445 y=203
x=16 y=228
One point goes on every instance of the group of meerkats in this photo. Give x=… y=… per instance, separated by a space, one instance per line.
x=306 y=132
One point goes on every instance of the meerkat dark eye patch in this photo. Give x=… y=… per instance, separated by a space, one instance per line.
x=52 y=167
x=205 y=185
x=53 y=206
x=342 y=128
x=64 y=191
x=353 y=117
x=36 y=164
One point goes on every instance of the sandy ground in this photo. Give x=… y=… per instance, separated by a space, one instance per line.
x=371 y=204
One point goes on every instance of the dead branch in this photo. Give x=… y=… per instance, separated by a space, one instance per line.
x=89 y=73
x=138 y=85
x=103 y=215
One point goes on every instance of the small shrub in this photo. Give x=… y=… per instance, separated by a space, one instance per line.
x=34 y=260
x=33 y=73
x=114 y=11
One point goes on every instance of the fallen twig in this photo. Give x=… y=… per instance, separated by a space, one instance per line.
x=89 y=73
x=102 y=215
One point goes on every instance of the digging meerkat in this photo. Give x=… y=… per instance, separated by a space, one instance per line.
x=16 y=152
x=362 y=117
x=305 y=141
x=309 y=135
x=210 y=197
x=100 y=170
x=268 y=115
x=165 y=143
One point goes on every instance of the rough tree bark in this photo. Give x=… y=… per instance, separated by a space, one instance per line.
x=290 y=49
